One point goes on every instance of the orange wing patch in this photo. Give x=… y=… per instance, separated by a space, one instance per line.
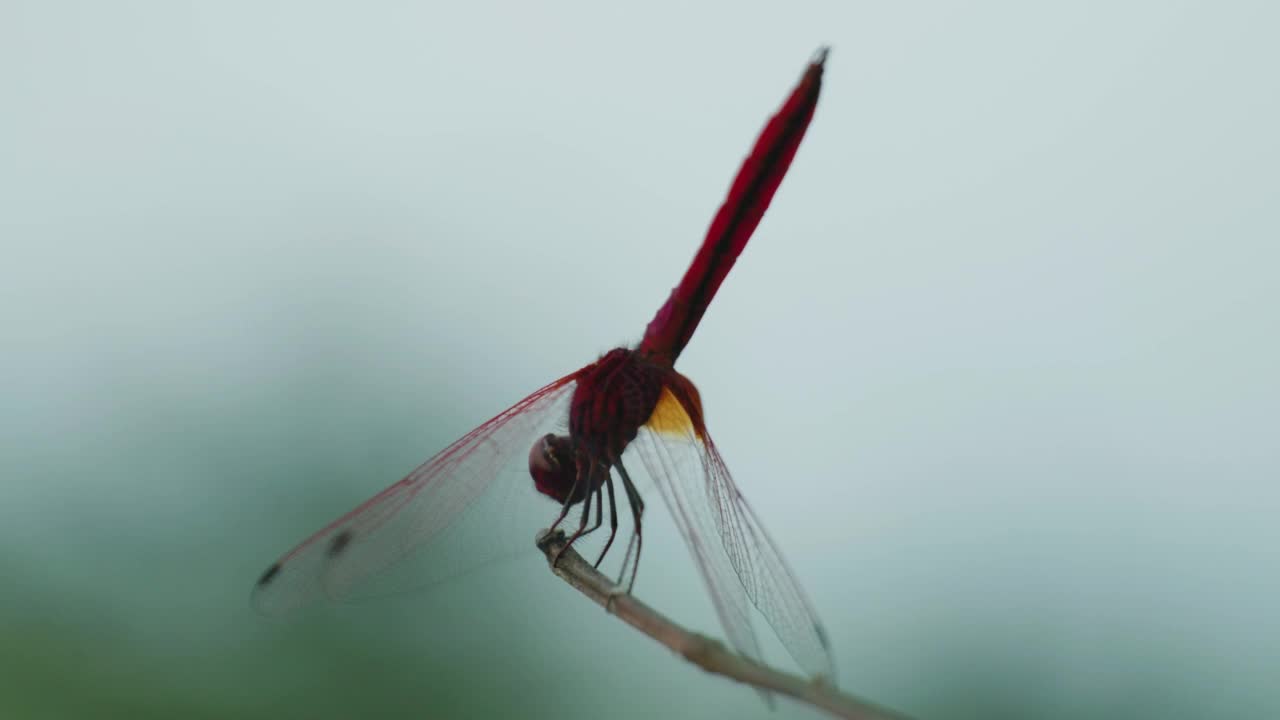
x=669 y=417
x=678 y=412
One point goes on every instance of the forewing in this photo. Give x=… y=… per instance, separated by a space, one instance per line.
x=730 y=547
x=468 y=504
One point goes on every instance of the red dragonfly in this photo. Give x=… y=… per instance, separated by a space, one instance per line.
x=473 y=501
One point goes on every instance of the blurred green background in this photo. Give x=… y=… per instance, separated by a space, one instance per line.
x=998 y=369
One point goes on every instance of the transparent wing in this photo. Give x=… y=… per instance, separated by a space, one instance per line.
x=471 y=503
x=731 y=549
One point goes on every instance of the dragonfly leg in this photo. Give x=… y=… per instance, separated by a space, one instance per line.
x=637 y=539
x=599 y=493
x=568 y=500
x=586 y=517
x=613 y=518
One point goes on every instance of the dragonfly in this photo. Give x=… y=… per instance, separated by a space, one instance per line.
x=595 y=436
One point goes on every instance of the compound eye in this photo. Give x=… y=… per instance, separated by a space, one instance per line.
x=552 y=466
x=542 y=456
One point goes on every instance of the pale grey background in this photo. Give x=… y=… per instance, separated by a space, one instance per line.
x=998 y=368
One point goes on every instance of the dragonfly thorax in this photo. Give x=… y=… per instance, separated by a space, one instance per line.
x=614 y=396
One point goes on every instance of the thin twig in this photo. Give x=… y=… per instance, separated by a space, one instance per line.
x=705 y=652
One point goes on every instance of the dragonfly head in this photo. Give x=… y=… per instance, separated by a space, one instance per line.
x=554 y=467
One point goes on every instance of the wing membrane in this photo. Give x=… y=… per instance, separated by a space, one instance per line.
x=425 y=525
x=737 y=559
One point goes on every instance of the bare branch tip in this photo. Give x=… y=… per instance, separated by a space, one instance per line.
x=705 y=652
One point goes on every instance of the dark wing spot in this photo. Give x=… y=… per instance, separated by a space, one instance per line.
x=339 y=543
x=271 y=572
